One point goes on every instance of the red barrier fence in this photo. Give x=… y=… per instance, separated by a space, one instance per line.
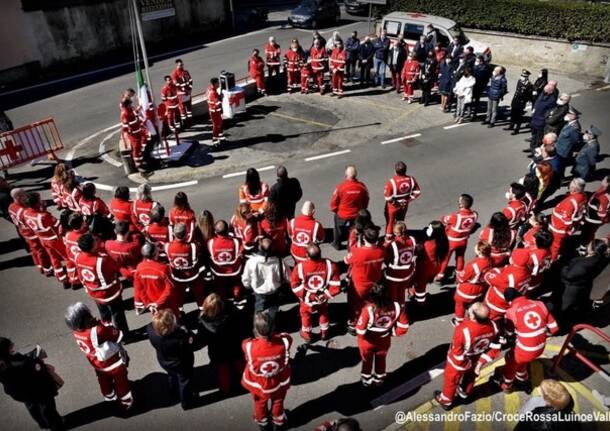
x=29 y=143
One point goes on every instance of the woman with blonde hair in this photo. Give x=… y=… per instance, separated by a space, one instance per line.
x=57 y=181
x=205 y=222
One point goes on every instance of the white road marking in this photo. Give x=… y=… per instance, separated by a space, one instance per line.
x=453 y=126
x=324 y=156
x=105 y=156
x=237 y=174
x=605 y=87
x=174 y=186
x=70 y=154
x=403 y=138
x=575 y=95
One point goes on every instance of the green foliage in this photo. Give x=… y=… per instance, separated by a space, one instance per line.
x=563 y=19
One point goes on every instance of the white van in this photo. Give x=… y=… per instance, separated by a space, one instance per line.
x=413 y=24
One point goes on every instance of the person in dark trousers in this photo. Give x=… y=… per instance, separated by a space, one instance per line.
x=223 y=329
x=396 y=61
x=570 y=138
x=543 y=104
x=497 y=90
x=459 y=66
x=445 y=83
x=539 y=84
x=174 y=345
x=382 y=47
x=586 y=159
x=428 y=76
x=421 y=49
x=285 y=193
x=365 y=57
x=26 y=379
x=554 y=119
x=352 y=48
x=523 y=94
x=573 y=301
x=481 y=73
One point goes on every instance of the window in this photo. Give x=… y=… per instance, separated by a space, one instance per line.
x=392 y=28
x=413 y=31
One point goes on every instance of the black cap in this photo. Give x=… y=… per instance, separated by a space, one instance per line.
x=525 y=72
x=594 y=131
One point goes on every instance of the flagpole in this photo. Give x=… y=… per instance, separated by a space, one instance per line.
x=143 y=46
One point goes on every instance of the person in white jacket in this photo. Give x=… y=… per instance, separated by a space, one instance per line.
x=265 y=273
x=463 y=91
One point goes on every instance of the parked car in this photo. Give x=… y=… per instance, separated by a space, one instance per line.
x=313 y=13
x=412 y=25
x=354 y=7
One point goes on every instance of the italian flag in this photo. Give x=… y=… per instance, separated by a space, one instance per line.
x=143 y=98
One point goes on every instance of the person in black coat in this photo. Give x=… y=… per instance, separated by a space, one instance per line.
x=481 y=73
x=365 y=57
x=26 y=379
x=421 y=49
x=554 y=119
x=223 y=329
x=285 y=193
x=523 y=94
x=427 y=78
x=396 y=60
x=174 y=346
x=541 y=81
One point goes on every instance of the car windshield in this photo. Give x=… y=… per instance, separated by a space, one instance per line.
x=309 y=4
x=457 y=33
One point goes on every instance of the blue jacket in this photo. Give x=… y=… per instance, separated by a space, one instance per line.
x=381 y=48
x=445 y=77
x=584 y=166
x=568 y=140
x=541 y=107
x=497 y=87
x=352 y=47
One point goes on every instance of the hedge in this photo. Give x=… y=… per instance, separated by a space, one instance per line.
x=562 y=19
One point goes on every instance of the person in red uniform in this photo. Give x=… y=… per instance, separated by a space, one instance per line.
x=292 y=63
x=540 y=259
x=184 y=84
x=120 y=205
x=379 y=320
x=410 y=75
x=500 y=236
x=365 y=269
x=169 y=96
x=256 y=69
x=471 y=339
x=57 y=181
x=47 y=230
x=125 y=250
x=102 y=346
x=530 y=323
x=215 y=111
x=303 y=230
x=157 y=231
x=71 y=192
x=315 y=281
x=306 y=74
x=516 y=275
x=275 y=227
x=434 y=252
x=400 y=263
x=16 y=212
x=516 y=209
x=99 y=274
x=337 y=68
x=181 y=212
x=537 y=223
x=153 y=288
x=187 y=272
x=142 y=207
x=567 y=216
x=226 y=263
x=76 y=228
x=458 y=227
x=470 y=281
x=134 y=131
x=267 y=372
x=272 y=57
x=254 y=192
x=349 y=197
x=90 y=204
x=597 y=213
x=318 y=57
x=399 y=191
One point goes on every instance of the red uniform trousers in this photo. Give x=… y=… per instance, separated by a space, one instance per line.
x=356 y=296
x=396 y=79
x=558 y=243
x=422 y=278
x=459 y=248
x=56 y=250
x=308 y=311
x=409 y=87
x=114 y=385
x=454 y=378
x=304 y=83
x=293 y=80
x=461 y=303
x=196 y=287
x=217 y=129
x=261 y=407
x=398 y=289
x=373 y=353
x=173 y=115
x=516 y=365
x=259 y=78
x=318 y=79
x=230 y=288
x=337 y=82
x=137 y=142
x=39 y=254
x=72 y=274
x=185 y=106
x=393 y=214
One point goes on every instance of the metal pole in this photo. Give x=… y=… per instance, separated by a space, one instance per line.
x=232 y=14
x=370 y=15
x=143 y=46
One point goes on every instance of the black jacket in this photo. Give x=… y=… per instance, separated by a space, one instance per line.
x=553 y=122
x=285 y=194
x=224 y=336
x=577 y=279
x=25 y=378
x=174 y=351
x=400 y=58
x=523 y=94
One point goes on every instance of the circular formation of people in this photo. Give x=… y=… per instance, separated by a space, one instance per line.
x=239 y=270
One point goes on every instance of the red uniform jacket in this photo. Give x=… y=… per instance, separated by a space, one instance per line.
x=272 y=54
x=348 y=198
x=400 y=259
x=374 y=324
x=183 y=260
x=470 y=281
x=539 y=262
x=302 y=231
x=365 y=267
x=16 y=213
x=499 y=280
x=470 y=339
x=100 y=345
x=126 y=254
x=183 y=81
x=530 y=203
x=277 y=234
x=258 y=201
x=314 y=282
x=121 y=210
x=498 y=253
x=256 y=66
x=267 y=364
x=43 y=224
x=251 y=236
x=400 y=190
x=459 y=225
x=214 y=102
x=428 y=264
x=71 y=240
x=318 y=57
x=293 y=60
x=516 y=212
x=568 y=213
x=56 y=192
x=169 y=95
x=153 y=287
x=410 y=71
x=528 y=239
x=158 y=233
x=94 y=206
x=598 y=207
x=140 y=212
x=237 y=226
x=130 y=121
x=71 y=198
x=226 y=256
x=531 y=322
x=99 y=275
x=184 y=216
x=337 y=60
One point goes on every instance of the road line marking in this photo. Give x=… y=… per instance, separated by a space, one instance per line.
x=105 y=187
x=237 y=174
x=403 y=138
x=174 y=186
x=379 y=105
x=575 y=95
x=324 y=156
x=453 y=126
x=454 y=425
x=483 y=405
x=105 y=156
x=290 y=117
x=72 y=151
